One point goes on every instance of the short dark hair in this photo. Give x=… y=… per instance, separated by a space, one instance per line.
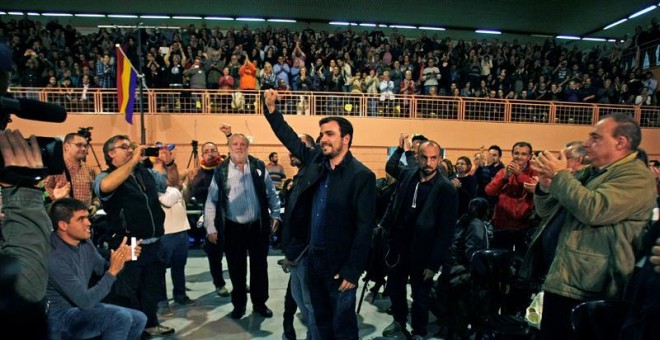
x=496 y=148
x=345 y=127
x=70 y=136
x=628 y=127
x=307 y=139
x=109 y=144
x=270 y=156
x=418 y=137
x=522 y=145
x=63 y=210
x=467 y=161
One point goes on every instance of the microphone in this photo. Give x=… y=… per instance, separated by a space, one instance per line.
x=33 y=109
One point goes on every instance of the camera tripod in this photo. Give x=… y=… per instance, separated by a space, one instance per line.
x=87 y=134
x=194 y=155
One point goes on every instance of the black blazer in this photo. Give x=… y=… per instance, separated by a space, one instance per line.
x=433 y=232
x=350 y=213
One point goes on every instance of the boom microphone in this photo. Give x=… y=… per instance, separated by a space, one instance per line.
x=33 y=109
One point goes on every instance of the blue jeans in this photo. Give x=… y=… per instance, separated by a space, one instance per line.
x=104 y=320
x=174 y=253
x=300 y=292
x=334 y=310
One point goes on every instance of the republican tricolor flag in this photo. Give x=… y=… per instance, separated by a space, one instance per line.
x=126 y=83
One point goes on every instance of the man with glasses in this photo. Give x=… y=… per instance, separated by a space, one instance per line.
x=129 y=192
x=77 y=179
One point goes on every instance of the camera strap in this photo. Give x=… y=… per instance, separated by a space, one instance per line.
x=68 y=179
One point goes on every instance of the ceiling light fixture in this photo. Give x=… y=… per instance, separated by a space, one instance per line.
x=403 y=26
x=594 y=39
x=488 y=32
x=645 y=10
x=429 y=28
x=615 y=23
x=125 y=16
x=89 y=15
x=367 y=25
x=339 y=23
x=186 y=17
x=250 y=19
x=14 y=13
x=567 y=37
x=219 y=18
x=57 y=14
x=155 y=17
x=281 y=20
x=34 y=14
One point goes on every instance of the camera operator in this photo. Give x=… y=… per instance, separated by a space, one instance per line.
x=129 y=192
x=26 y=228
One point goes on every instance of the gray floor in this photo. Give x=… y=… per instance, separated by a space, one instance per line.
x=209 y=318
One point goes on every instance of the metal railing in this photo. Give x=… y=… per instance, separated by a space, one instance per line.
x=189 y=101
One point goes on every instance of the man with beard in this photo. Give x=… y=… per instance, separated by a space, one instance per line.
x=331 y=210
x=420 y=220
x=77 y=179
x=199 y=180
x=241 y=210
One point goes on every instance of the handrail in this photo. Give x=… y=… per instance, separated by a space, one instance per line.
x=202 y=101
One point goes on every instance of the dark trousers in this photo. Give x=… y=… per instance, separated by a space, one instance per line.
x=241 y=240
x=290 y=308
x=396 y=286
x=334 y=310
x=510 y=239
x=214 y=254
x=141 y=284
x=556 y=321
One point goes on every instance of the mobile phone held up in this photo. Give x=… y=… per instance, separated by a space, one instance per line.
x=150 y=152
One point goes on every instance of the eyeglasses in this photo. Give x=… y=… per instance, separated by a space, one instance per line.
x=80 y=145
x=123 y=146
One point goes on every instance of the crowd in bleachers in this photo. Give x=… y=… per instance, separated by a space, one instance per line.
x=199 y=57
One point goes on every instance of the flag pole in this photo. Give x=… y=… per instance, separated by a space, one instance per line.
x=143 y=130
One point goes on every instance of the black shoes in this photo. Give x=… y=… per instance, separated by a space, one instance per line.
x=237 y=313
x=263 y=311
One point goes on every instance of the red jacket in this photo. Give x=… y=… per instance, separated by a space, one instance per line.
x=514 y=203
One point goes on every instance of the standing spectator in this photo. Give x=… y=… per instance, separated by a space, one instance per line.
x=75 y=308
x=591 y=222
x=275 y=170
x=242 y=207
x=78 y=178
x=514 y=206
x=333 y=209
x=127 y=190
x=267 y=77
x=430 y=76
x=198 y=182
x=486 y=171
x=248 y=75
x=213 y=68
x=105 y=71
x=282 y=70
x=465 y=184
x=196 y=74
x=420 y=222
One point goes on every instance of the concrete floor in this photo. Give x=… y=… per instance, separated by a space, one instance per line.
x=209 y=318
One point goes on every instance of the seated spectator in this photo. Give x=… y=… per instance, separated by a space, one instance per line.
x=75 y=309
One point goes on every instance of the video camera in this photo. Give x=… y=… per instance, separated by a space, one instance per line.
x=86 y=133
x=51 y=148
